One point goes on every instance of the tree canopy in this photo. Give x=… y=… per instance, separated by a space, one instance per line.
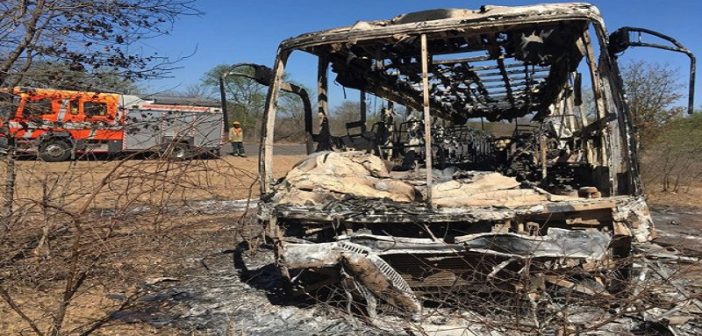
x=653 y=92
x=83 y=39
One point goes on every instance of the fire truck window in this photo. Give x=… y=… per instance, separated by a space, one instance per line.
x=37 y=107
x=73 y=107
x=93 y=109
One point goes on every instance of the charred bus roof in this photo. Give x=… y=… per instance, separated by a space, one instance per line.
x=439 y=19
x=508 y=61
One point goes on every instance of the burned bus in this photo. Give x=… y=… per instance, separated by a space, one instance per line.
x=431 y=198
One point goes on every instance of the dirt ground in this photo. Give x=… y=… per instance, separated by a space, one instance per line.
x=145 y=180
x=687 y=197
x=195 y=218
x=181 y=279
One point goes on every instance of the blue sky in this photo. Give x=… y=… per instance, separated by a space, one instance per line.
x=249 y=31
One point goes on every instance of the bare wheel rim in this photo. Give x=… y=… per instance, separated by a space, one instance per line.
x=179 y=152
x=54 y=150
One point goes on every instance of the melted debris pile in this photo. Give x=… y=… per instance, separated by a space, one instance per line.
x=326 y=177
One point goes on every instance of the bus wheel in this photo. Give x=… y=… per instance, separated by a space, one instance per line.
x=55 y=151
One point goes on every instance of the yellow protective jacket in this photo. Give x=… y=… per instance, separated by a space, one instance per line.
x=236 y=134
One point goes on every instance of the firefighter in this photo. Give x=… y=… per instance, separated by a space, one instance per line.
x=236 y=138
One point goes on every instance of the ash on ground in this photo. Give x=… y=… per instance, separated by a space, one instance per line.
x=238 y=291
x=224 y=301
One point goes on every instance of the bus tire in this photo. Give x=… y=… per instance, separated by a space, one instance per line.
x=55 y=150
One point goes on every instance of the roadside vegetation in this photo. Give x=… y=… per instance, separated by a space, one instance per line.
x=671 y=157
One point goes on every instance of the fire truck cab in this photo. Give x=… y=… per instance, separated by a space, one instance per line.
x=58 y=124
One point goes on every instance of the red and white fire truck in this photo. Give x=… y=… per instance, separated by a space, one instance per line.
x=57 y=125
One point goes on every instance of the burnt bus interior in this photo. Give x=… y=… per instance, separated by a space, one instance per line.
x=547 y=88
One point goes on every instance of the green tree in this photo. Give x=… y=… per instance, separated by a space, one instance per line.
x=675 y=155
x=60 y=76
x=653 y=92
x=246 y=100
x=245 y=97
x=90 y=37
x=348 y=111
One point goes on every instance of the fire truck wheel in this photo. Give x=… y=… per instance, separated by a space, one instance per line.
x=55 y=151
x=180 y=151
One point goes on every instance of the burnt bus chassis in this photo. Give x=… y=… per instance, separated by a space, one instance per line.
x=380 y=246
x=373 y=245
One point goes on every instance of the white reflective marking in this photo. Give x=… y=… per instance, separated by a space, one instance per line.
x=62 y=110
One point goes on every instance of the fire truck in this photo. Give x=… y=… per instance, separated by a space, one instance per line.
x=58 y=125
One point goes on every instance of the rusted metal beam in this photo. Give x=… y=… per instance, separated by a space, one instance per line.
x=324 y=137
x=461 y=60
x=267 y=134
x=427 y=116
x=505 y=78
x=600 y=105
x=322 y=82
x=594 y=73
x=515 y=72
x=507 y=66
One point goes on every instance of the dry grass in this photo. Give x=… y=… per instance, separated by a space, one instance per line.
x=123 y=274
x=225 y=178
x=131 y=247
x=688 y=197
